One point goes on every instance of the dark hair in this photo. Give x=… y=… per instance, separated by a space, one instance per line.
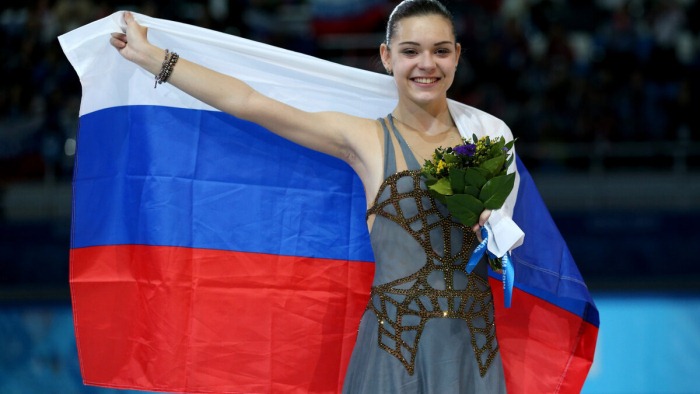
x=409 y=8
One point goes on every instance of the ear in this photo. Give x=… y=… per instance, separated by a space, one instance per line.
x=385 y=54
x=458 y=51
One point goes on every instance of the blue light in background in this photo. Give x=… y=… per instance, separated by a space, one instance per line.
x=648 y=343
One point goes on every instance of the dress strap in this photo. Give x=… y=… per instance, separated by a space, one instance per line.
x=411 y=161
x=389 y=154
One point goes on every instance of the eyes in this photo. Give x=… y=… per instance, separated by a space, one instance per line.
x=440 y=51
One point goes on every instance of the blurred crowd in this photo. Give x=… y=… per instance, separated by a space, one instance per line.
x=575 y=71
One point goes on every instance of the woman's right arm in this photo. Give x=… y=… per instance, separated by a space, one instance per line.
x=337 y=134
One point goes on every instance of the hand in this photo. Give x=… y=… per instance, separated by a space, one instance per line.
x=482 y=221
x=132 y=44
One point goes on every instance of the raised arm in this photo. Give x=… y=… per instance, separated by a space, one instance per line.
x=334 y=133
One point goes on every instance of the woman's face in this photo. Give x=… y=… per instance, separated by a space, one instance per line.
x=423 y=58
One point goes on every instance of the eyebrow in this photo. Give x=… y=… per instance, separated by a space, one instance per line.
x=418 y=44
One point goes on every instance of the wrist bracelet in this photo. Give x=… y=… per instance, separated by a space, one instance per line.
x=166 y=68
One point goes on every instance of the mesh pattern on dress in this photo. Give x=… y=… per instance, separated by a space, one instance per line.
x=405 y=305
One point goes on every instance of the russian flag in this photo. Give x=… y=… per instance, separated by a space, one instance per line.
x=209 y=255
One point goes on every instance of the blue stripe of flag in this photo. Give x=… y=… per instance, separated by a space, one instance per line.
x=153 y=175
x=544 y=266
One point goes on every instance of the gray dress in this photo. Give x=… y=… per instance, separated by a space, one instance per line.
x=428 y=327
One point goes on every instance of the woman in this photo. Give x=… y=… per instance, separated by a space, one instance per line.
x=428 y=325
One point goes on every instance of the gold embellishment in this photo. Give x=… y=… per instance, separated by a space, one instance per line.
x=404 y=306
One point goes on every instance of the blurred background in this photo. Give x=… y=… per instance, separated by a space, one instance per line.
x=603 y=96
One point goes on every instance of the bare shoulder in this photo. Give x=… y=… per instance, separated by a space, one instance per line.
x=360 y=136
x=350 y=122
x=365 y=151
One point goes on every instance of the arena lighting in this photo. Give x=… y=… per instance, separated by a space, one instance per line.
x=69 y=147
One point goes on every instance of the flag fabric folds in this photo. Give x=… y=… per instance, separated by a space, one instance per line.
x=209 y=255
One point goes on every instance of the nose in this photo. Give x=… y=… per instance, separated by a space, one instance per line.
x=427 y=62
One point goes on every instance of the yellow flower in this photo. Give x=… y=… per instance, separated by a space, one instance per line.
x=441 y=165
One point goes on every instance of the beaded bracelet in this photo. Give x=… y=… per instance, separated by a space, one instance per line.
x=166 y=68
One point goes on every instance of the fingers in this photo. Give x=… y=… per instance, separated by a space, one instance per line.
x=118 y=40
x=119 y=37
x=133 y=28
x=484 y=217
x=130 y=20
x=477 y=231
x=133 y=38
x=128 y=17
x=134 y=34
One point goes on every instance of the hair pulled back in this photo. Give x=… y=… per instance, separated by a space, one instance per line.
x=410 y=8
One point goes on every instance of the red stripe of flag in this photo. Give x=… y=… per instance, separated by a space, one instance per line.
x=187 y=319
x=535 y=336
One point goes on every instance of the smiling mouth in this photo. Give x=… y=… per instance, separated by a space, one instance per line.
x=425 y=80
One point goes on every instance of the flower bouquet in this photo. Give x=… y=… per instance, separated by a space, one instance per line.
x=471 y=177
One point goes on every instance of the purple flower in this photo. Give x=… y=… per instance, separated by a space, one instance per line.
x=465 y=150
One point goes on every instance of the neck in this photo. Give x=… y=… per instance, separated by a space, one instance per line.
x=429 y=121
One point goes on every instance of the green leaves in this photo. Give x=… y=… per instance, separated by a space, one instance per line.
x=442 y=186
x=457 y=181
x=469 y=183
x=465 y=208
x=475 y=177
x=494 y=165
x=496 y=190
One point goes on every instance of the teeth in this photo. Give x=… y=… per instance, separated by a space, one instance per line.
x=425 y=80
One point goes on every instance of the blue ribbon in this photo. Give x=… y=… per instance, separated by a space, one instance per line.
x=508 y=270
x=508 y=279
